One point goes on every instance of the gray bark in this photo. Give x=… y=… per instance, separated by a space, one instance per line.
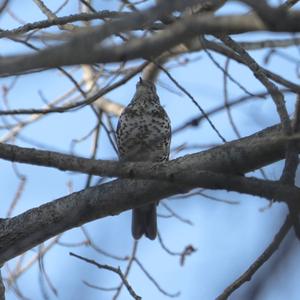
x=36 y=225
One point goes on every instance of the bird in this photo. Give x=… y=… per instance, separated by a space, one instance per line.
x=144 y=135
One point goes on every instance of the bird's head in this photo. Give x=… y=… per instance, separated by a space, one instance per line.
x=145 y=87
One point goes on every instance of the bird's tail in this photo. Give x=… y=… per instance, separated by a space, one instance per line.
x=144 y=221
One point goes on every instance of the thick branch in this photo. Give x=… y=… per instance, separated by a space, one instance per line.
x=88 y=50
x=240 y=156
x=23 y=232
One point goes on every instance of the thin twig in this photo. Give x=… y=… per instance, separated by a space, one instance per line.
x=171 y=295
x=176 y=215
x=194 y=101
x=128 y=268
x=262 y=77
x=81 y=103
x=112 y=269
x=228 y=110
x=268 y=252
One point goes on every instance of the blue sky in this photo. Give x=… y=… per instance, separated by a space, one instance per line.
x=228 y=238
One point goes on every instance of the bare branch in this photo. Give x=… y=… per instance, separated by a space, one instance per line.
x=151 y=278
x=23 y=231
x=112 y=269
x=174 y=34
x=268 y=252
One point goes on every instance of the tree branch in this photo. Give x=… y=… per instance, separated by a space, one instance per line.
x=239 y=156
x=23 y=232
x=112 y=269
x=264 y=257
x=86 y=45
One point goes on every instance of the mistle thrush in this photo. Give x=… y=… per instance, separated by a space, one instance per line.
x=144 y=134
